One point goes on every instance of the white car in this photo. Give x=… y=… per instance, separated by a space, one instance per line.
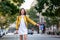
x=2 y=32
x=30 y=31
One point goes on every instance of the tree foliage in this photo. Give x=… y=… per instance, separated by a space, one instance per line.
x=40 y=5
x=9 y=11
x=52 y=12
x=32 y=14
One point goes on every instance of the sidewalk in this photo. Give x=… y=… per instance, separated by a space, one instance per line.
x=57 y=36
x=46 y=35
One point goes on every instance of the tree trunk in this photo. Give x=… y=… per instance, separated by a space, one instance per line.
x=58 y=26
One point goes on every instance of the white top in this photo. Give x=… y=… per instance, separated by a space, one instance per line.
x=22 y=28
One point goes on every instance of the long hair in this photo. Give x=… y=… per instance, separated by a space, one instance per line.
x=20 y=11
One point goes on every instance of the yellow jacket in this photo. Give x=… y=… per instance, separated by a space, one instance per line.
x=26 y=19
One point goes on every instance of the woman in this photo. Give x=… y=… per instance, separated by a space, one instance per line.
x=21 y=24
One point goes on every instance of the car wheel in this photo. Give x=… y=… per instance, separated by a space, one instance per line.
x=4 y=34
x=0 y=36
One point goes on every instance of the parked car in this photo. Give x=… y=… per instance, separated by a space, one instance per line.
x=3 y=32
x=30 y=31
x=11 y=30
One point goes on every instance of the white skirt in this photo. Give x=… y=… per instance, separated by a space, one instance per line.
x=22 y=31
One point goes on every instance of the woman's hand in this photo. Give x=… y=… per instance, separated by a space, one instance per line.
x=38 y=25
x=16 y=31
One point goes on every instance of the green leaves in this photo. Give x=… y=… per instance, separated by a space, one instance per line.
x=8 y=8
x=9 y=11
x=19 y=2
x=57 y=12
x=40 y=5
x=32 y=14
x=55 y=2
x=49 y=12
x=52 y=12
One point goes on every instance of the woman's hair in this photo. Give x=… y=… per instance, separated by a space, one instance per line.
x=20 y=11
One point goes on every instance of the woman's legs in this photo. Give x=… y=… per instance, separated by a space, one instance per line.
x=21 y=37
x=25 y=36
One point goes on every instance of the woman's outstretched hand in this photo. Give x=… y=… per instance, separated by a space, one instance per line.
x=16 y=32
x=38 y=25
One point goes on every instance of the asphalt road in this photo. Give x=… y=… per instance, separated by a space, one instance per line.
x=32 y=37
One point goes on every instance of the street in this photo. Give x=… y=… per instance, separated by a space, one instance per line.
x=32 y=37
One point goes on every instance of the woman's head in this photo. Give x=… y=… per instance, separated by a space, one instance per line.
x=22 y=12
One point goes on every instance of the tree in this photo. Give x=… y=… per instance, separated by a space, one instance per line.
x=9 y=11
x=9 y=8
x=40 y=5
x=52 y=11
x=32 y=14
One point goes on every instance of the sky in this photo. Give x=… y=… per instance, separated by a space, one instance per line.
x=27 y=4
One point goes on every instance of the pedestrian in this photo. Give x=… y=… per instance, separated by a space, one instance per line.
x=21 y=24
x=43 y=28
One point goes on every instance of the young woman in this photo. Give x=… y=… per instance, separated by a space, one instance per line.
x=21 y=24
